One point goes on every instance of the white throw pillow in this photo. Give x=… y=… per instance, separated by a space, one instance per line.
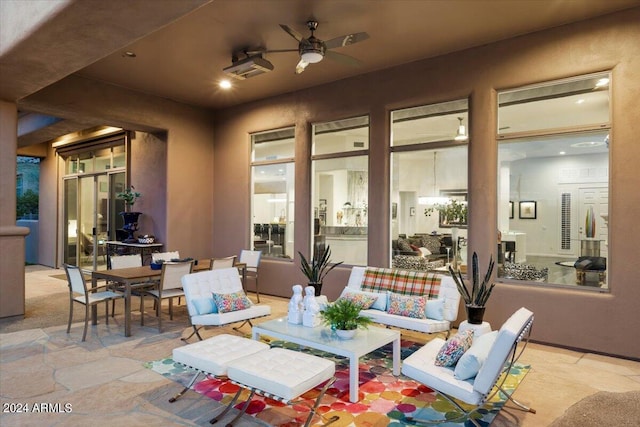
x=424 y=251
x=472 y=359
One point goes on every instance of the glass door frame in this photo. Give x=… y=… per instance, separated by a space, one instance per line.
x=101 y=219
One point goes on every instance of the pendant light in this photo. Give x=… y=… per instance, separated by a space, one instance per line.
x=461 y=134
x=433 y=200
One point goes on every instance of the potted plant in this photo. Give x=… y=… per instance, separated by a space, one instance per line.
x=318 y=268
x=343 y=316
x=475 y=299
x=130 y=218
x=129 y=196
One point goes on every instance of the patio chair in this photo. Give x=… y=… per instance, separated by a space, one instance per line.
x=78 y=292
x=170 y=287
x=492 y=374
x=200 y=290
x=251 y=259
x=226 y=262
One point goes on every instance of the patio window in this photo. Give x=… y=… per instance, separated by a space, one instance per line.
x=273 y=203
x=429 y=210
x=340 y=188
x=553 y=182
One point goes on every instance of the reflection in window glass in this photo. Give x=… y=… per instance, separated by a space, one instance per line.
x=566 y=104
x=341 y=136
x=553 y=182
x=429 y=210
x=273 y=201
x=341 y=189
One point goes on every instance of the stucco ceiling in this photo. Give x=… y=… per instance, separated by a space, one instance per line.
x=181 y=56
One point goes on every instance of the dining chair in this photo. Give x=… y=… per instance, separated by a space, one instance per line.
x=127 y=261
x=78 y=292
x=251 y=259
x=170 y=287
x=225 y=262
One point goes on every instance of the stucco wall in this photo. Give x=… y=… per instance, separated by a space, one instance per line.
x=573 y=318
x=171 y=165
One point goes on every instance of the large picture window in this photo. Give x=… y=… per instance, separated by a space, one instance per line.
x=429 y=209
x=340 y=168
x=553 y=161
x=273 y=202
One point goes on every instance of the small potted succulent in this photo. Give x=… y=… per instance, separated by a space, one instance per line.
x=343 y=316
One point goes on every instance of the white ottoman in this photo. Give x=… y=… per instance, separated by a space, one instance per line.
x=279 y=374
x=213 y=355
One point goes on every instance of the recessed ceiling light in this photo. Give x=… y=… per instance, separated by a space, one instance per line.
x=580 y=101
x=588 y=144
x=602 y=82
x=562 y=153
x=129 y=54
x=225 y=84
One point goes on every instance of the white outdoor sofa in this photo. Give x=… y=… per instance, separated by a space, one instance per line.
x=199 y=289
x=448 y=299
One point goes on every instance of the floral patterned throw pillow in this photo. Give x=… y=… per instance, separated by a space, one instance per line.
x=407 y=305
x=232 y=302
x=454 y=348
x=363 y=300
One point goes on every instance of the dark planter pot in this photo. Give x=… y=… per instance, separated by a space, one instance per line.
x=475 y=314
x=317 y=287
x=130 y=225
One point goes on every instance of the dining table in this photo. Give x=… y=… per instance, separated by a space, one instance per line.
x=129 y=277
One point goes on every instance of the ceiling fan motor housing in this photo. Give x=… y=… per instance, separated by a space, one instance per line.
x=312 y=49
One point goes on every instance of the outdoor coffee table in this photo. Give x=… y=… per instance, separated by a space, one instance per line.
x=322 y=338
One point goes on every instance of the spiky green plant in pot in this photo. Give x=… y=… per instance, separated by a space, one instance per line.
x=318 y=268
x=475 y=299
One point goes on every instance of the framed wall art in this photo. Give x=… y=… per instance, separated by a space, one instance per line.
x=510 y=210
x=528 y=209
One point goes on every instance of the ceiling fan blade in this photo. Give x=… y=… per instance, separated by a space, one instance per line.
x=342 y=58
x=293 y=33
x=346 y=40
x=278 y=50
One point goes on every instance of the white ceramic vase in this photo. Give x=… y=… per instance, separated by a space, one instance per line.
x=346 y=334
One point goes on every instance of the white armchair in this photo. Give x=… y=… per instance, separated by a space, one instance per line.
x=199 y=289
x=479 y=389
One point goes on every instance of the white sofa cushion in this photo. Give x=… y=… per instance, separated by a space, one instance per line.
x=428 y=326
x=282 y=372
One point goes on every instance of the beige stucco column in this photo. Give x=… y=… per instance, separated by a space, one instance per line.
x=11 y=236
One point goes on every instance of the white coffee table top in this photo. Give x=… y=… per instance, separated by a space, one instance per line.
x=323 y=338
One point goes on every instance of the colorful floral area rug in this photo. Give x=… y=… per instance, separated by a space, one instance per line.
x=385 y=400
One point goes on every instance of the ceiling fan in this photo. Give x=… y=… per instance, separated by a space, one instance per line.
x=313 y=50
